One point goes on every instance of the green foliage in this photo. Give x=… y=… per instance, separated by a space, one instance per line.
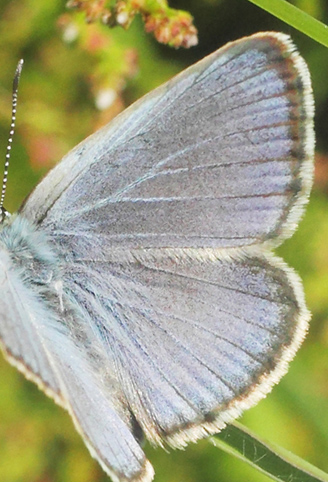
x=295 y=17
x=70 y=67
x=279 y=464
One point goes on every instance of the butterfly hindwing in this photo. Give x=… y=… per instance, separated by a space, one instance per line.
x=194 y=341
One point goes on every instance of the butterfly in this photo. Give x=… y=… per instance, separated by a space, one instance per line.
x=138 y=285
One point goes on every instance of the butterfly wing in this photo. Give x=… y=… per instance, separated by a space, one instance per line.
x=220 y=156
x=186 y=336
x=194 y=341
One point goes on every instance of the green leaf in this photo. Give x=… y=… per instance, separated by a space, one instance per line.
x=270 y=459
x=296 y=18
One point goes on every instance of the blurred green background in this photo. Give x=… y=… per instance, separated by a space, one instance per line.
x=69 y=67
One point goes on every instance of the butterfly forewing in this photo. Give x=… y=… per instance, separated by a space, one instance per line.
x=218 y=157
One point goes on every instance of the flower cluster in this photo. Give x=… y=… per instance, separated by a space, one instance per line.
x=169 y=26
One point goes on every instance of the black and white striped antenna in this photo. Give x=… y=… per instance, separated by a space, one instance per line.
x=3 y=212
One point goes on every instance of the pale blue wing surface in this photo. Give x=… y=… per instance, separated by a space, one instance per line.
x=194 y=342
x=221 y=156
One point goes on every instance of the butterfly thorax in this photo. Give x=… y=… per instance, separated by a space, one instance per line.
x=28 y=249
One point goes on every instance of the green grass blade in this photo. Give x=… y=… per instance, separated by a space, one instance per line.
x=270 y=459
x=296 y=18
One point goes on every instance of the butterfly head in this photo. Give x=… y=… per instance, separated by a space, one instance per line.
x=4 y=215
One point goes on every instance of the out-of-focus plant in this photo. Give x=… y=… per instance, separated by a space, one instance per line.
x=169 y=26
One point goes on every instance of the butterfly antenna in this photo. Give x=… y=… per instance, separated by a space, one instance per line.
x=3 y=212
